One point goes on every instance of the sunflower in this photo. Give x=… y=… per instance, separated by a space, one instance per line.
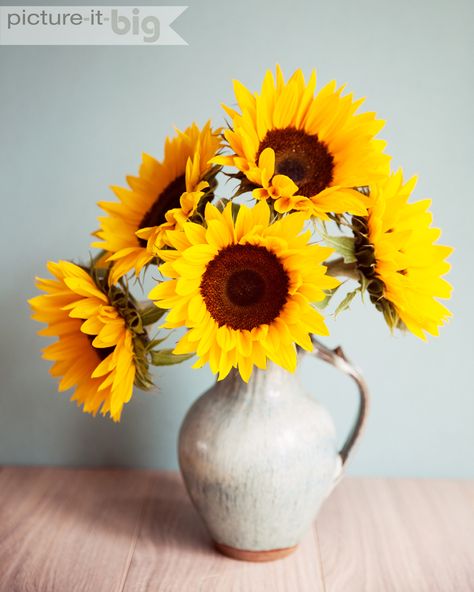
x=100 y=338
x=305 y=152
x=398 y=259
x=162 y=196
x=243 y=288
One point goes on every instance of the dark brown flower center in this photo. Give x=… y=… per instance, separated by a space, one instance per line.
x=244 y=286
x=302 y=157
x=167 y=200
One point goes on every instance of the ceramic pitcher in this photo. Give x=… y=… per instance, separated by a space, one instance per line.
x=259 y=458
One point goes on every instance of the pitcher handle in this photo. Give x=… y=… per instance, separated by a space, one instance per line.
x=336 y=358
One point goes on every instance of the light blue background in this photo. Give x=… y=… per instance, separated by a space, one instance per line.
x=74 y=120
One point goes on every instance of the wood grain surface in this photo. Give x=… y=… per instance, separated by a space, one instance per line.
x=66 y=530
x=398 y=536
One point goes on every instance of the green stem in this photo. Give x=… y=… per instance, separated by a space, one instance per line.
x=337 y=267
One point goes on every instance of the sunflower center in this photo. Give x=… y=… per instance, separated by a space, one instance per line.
x=302 y=157
x=244 y=286
x=166 y=200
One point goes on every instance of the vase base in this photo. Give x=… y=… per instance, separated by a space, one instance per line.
x=255 y=556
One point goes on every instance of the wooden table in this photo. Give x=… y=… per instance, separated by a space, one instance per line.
x=64 y=530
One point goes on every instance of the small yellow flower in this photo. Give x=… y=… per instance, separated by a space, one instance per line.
x=278 y=187
x=175 y=218
x=243 y=288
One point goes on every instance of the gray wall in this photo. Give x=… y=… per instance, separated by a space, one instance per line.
x=75 y=119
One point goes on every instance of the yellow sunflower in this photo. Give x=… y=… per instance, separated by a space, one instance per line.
x=399 y=260
x=162 y=196
x=306 y=152
x=97 y=339
x=244 y=288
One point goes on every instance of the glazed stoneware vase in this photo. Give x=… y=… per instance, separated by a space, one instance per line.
x=259 y=458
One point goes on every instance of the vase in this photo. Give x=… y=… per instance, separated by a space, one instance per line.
x=259 y=458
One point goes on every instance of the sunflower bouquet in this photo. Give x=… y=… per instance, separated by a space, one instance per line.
x=248 y=276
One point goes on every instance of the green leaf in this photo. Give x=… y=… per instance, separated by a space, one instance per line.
x=322 y=304
x=154 y=342
x=344 y=245
x=151 y=314
x=166 y=357
x=344 y=304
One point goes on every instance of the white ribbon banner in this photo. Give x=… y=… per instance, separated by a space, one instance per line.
x=89 y=25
